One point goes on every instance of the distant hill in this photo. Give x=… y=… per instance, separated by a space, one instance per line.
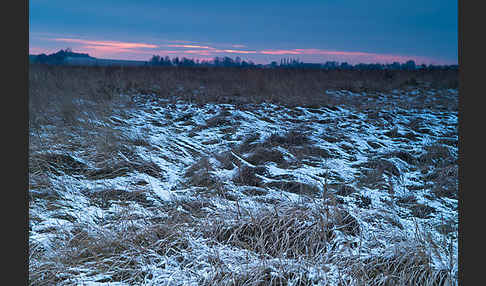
x=68 y=57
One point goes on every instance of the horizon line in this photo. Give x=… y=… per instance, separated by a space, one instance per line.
x=142 y=50
x=404 y=60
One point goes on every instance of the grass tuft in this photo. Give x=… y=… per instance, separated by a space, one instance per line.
x=289 y=232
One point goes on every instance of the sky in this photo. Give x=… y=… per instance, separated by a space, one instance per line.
x=353 y=31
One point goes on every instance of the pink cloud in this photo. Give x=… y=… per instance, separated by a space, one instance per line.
x=163 y=52
x=113 y=44
x=213 y=51
x=280 y=52
x=196 y=52
x=238 y=52
x=113 y=52
x=110 y=49
x=39 y=50
x=235 y=51
x=326 y=52
x=106 y=49
x=189 y=46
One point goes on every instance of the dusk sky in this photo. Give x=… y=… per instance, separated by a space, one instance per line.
x=354 y=31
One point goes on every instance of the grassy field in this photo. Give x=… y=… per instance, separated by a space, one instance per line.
x=221 y=176
x=228 y=85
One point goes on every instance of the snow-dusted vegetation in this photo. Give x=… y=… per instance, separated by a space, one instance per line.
x=144 y=188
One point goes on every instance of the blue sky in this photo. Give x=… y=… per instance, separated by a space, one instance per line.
x=261 y=31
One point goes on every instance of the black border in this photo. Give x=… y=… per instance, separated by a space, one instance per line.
x=16 y=140
x=25 y=146
x=26 y=102
x=17 y=162
x=460 y=35
x=470 y=88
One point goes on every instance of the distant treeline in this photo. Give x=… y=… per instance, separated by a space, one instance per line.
x=68 y=57
x=157 y=60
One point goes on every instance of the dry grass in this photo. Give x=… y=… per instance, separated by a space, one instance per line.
x=289 y=232
x=227 y=159
x=436 y=154
x=404 y=156
x=103 y=164
x=261 y=275
x=309 y=234
x=344 y=190
x=261 y=155
x=248 y=176
x=57 y=164
x=383 y=165
x=445 y=181
x=72 y=104
x=248 y=143
x=220 y=119
x=295 y=187
x=103 y=198
x=291 y=138
x=223 y=85
x=407 y=266
x=373 y=173
x=118 y=251
x=439 y=168
x=372 y=179
x=310 y=152
x=199 y=174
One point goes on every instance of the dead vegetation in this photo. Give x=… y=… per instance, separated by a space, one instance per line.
x=310 y=152
x=249 y=176
x=219 y=120
x=82 y=112
x=227 y=160
x=408 y=266
x=439 y=167
x=248 y=143
x=258 y=276
x=421 y=210
x=283 y=232
x=376 y=173
x=57 y=164
x=199 y=174
x=119 y=252
x=344 y=190
x=65 y=164
x=404 y=156
x=261 y=155
x=291 y=138
x=293 y=87
x=436 y=154
x=296 y=142
x=295 y=187
x=105 y=197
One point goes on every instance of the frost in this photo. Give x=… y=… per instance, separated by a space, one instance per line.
x=160 y=193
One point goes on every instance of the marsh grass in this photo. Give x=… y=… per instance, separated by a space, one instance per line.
x=260 y=275
x=118 y=252
x=199 y=174
x=292 y=87
x=281 y=232
x=73 y=132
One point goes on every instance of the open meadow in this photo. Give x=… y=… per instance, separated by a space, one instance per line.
x=233 y=176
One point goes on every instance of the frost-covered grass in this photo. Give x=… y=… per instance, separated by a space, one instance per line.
x=137 y=189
